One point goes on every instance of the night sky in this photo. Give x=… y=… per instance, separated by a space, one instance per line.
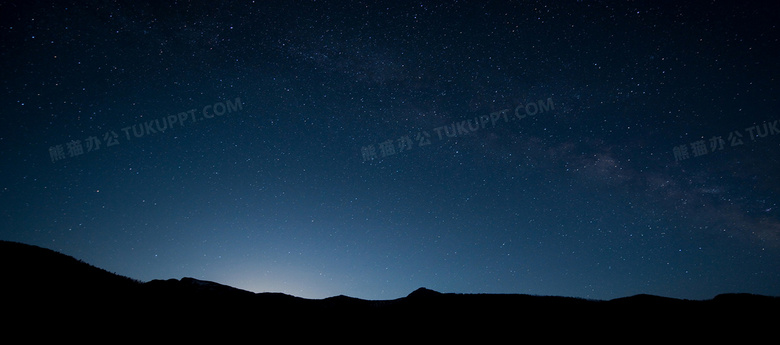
x=320 y=148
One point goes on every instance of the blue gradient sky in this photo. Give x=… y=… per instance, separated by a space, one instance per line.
x=587 y=197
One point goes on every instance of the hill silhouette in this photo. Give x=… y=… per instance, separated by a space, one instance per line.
x=48 y=288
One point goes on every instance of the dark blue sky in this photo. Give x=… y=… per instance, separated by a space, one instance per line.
x=577 y=148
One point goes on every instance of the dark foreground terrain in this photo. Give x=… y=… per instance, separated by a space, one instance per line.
x=48 y=294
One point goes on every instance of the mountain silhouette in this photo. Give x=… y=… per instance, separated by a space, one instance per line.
x=45 y=288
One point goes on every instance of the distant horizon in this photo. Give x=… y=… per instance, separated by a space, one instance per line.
x=368 y=299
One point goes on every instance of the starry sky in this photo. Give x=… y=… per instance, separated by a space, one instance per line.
x=594 y=149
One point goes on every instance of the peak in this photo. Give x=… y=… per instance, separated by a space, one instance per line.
x=424 y=292
x=193 y=281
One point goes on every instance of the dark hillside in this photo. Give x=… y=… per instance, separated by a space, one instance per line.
x=43 y=287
